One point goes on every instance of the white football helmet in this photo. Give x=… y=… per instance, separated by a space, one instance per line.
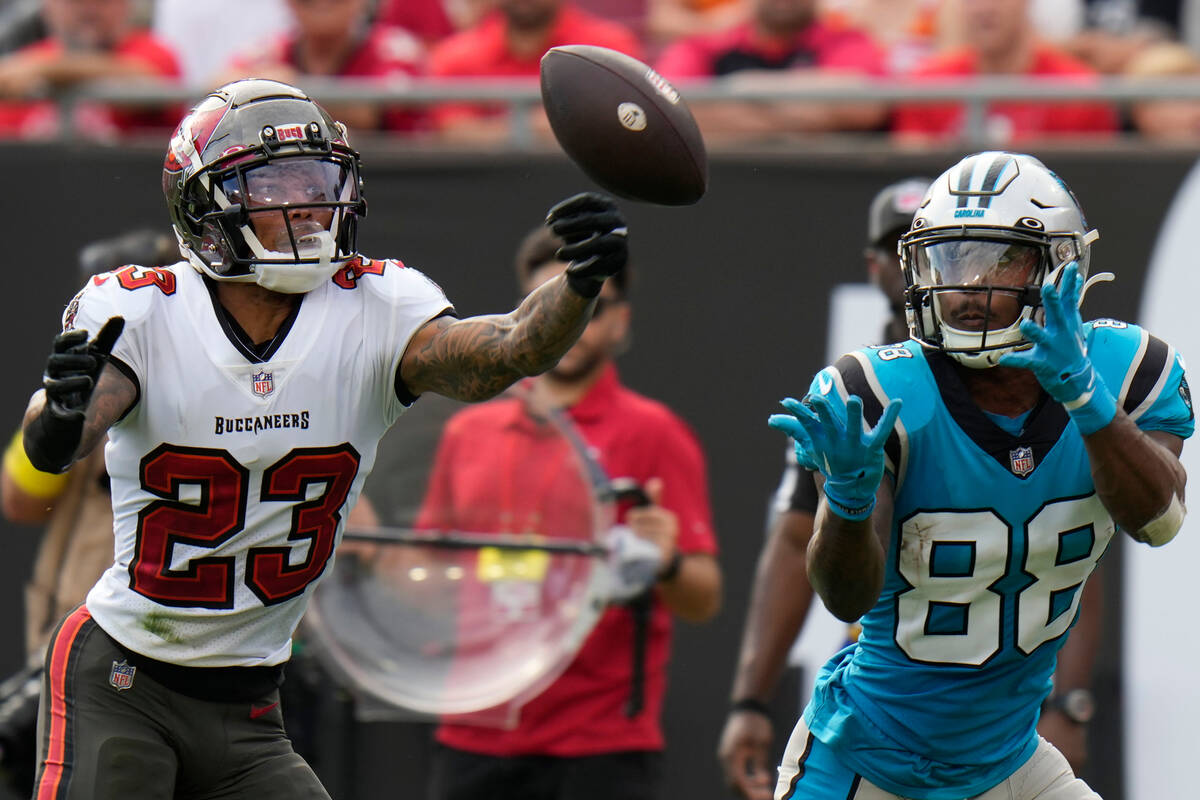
x=995 y=225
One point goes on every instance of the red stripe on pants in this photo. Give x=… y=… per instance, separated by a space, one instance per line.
x=54 y=764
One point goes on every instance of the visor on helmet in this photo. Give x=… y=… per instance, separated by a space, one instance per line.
x=970 y=263
x=980 y=285
x=289 y=202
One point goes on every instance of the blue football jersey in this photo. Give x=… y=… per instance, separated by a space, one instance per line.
x=992 y=539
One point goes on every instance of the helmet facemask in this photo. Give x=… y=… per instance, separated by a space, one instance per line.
x=991 y=232
x=263 y=187
x=970 y=295
x=287 y=223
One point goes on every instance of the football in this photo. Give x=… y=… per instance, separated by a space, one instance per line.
x=625 y=126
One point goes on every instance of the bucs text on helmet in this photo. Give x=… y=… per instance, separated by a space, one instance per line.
x=990 y=232
x=263 y=187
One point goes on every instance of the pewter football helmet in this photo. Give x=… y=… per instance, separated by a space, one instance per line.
x=263 y=187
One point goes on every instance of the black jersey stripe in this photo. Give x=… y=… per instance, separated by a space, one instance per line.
x=126 y=370
x=1148 y=374
x=797 y=490
x=856 y=381
x=255 y=353
x=808 y=746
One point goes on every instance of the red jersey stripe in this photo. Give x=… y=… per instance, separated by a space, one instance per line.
x=54 y=764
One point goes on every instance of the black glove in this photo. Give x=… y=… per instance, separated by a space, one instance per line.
x=594 y=231
x=72 y=370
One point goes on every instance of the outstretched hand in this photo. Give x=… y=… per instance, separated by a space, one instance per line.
x=850 y=459
x=595 y=233
x=1058 y=351
x=1059 y=359
x=74 y=366
x=72 y=370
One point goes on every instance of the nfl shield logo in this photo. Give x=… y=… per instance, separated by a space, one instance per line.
x=1021 y=460
x=121 y=676
x=263 y=383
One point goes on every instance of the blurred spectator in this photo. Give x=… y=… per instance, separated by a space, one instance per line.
x=1057 y=20
x=999 y=39
x=21 y=24
x=784 y=44
x=629 y=13
x=1054 y=20
x=183 y=24
x=596 y=731
x=1166 y=120
x=89 y=40
x=905 y=30
x=1127 y=16
x=334 y=39
x=1117 y=30
x=509 y=42
x=660 y=22
x=430 y=20
x=669 y=20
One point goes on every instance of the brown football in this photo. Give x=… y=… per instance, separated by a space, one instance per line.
x=625 y=126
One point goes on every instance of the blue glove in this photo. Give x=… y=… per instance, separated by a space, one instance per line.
x=792 y=427
x=850 y=460
x=1059 y=357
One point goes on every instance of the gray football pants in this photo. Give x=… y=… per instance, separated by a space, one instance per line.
x=98 y=741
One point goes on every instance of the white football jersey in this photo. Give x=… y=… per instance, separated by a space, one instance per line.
x=232 y=475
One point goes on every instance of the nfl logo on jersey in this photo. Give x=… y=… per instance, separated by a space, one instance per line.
x=1021 y=460
x=263 y=383
x=121 y=676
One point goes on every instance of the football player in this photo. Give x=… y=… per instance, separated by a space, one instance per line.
x=971 y=479
x=782 y=596
x=243 y=391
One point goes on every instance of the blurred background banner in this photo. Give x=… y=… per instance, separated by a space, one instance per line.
x=727 y=291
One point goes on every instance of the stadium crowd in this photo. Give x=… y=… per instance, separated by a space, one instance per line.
x=49 y=47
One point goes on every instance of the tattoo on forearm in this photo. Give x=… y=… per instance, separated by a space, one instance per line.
x=113 y=396
x=479 y=357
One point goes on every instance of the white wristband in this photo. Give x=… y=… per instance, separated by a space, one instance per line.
x=1163 y=528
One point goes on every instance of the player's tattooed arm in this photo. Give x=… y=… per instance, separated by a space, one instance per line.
x=479 y=357
x=113 y=396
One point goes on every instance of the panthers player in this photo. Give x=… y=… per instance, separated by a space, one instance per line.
x=244 y=391
x=971 y=480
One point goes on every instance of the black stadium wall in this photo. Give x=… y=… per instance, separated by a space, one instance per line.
x=731 y=307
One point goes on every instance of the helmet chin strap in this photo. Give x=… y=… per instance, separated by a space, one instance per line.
x=295 y=278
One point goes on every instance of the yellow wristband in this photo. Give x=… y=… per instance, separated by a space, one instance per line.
x=28 y=478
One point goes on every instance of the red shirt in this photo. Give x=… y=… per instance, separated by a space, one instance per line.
x=386 y=52
x=1013 y=120
x=482 y=51
x=93 y=120
x=820 y=46
x=582 y=712
x=425 y=18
